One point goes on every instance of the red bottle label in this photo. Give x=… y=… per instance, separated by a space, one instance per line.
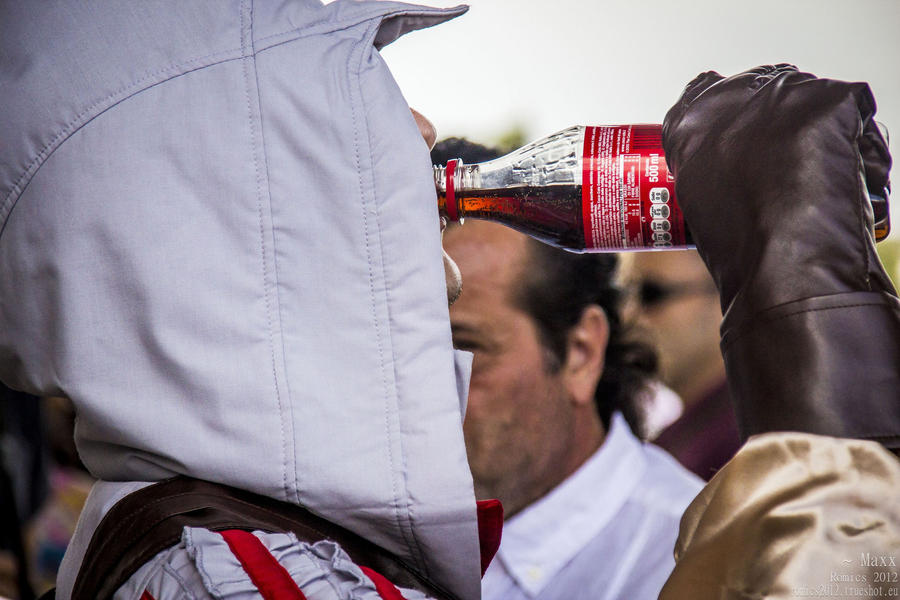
x=627 y=193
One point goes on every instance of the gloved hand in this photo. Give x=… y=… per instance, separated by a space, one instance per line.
x=772 y=168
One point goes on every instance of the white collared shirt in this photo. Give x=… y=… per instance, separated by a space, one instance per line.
x=607 y=532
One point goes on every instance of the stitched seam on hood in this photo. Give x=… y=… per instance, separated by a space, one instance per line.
x=251 y=86
x=100 y=106
x=400 y=509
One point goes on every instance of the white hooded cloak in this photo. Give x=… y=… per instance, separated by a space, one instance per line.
x=220 y=240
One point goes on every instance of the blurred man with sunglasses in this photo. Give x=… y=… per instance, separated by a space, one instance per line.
x=673 y=298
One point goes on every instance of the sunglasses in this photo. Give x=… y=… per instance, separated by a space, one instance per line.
x=653 y=293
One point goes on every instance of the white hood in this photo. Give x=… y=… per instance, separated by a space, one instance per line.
x=220 y=240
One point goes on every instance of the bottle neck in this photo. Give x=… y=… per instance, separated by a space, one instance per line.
x=454 y=177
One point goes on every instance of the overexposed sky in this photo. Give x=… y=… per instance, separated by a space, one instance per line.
x=548 y=64
x=544 y=65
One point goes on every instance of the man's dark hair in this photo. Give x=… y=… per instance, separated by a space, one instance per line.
x=469 y=152
x=555 y=289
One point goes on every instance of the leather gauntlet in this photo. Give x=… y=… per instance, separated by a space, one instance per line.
x=773 y=170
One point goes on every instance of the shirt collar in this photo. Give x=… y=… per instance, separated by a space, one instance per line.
x=547 y=534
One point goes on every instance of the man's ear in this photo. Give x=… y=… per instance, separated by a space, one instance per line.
x=585 y=354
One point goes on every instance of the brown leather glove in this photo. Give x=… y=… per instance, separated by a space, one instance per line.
x=773 y=169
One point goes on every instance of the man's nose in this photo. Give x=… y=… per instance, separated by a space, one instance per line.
x=426 y=128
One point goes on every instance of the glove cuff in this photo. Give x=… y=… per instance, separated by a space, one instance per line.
x=825 y=365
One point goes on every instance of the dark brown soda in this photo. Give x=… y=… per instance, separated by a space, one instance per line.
x=551 y=214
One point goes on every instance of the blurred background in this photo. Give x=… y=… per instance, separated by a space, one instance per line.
x=508 y=72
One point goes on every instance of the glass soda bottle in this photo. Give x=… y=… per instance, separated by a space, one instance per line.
x=584 y=189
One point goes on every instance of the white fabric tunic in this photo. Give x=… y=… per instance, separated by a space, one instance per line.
x=606 y=533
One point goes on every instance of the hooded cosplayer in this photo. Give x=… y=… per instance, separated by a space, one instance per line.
x=218 y=241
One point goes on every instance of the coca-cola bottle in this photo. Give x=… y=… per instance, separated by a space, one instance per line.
x=584 y=189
